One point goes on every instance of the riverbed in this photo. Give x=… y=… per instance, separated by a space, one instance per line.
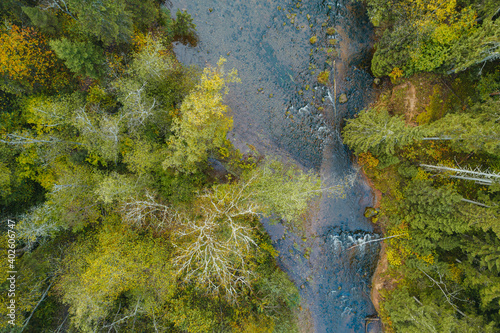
x=280 y=108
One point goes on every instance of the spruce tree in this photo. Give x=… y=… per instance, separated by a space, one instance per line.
x=82 y=58
x=375 y=129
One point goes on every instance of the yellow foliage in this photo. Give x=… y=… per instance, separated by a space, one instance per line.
x=393 y=257
x=397 y=251
x=251 y=324
x=26 y=58
x=396 y=73
x=456 y=273
x=139 y=41
x=31 y=169
x=96 y=159
x=115 y=260
x=421 y=175
x=203 y=122
x=269 y=248
x=429 y=259
x=367 y=160
x=115 y=64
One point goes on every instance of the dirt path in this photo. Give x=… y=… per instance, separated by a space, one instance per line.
x=378 y=281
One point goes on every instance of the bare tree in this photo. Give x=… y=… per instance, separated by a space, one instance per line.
x=148 y=212
x=136 y=106
x=213 y=250
x=58 y=4
x=477 y=175
x=24 y=139
x=448 y=295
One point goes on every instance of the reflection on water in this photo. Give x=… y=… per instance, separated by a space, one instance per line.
x=280 y=108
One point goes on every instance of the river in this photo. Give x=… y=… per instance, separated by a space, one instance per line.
x=280 y=108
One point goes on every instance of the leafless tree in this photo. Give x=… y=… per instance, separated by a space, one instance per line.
x=148 y=212
x=479 y=176
x=213 y=250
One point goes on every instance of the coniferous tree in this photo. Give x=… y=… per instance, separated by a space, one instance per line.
x=375 y=129
x=478 y=47
x=468 y=132
x=82 y=58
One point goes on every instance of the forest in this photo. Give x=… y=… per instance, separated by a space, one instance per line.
x=431 y=146
x=126 y=207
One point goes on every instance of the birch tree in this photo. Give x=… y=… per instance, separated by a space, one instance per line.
x=214 y=249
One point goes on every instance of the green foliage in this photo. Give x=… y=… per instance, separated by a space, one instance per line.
x=144 y=12
x=413 y=315
x=419 y=36
x=391 y=52
x=469 y=132
x=109 y=21
x=183 y=28
x=115 y=187
x=111 y=236
x=486 y=251
x=37 y=273
x=82 y=58
x=386 y=161
x=11 y=10
x=407 y=170
x=284 y=190
x=433 y=210
x=115 y=261
x=478 y=47
x=375 y=130
x=45 y=20
x=177 y=188
x=488 y=83
x=445 y=252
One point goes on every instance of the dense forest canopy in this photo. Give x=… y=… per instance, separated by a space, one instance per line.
x=106 y=153
x=107 y=148
x=431 y=145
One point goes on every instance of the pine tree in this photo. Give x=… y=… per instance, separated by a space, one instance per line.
x=109 y=21
x=433 y=210
x=468 y=132
x=478 y=47
x=45 y=20
x=486 y=250
x=376 y=130
x=82 y=58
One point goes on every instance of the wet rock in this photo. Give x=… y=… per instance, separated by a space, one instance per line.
x=343 y=98
x=370 y=212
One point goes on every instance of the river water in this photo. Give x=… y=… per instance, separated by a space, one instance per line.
x=280 y=108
